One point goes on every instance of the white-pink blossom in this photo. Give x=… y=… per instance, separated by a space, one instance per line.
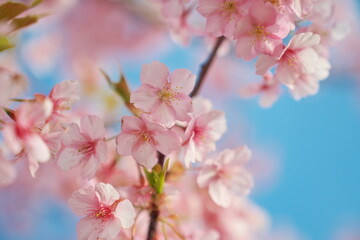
x=104 y=212
x=221 y=15
x=300 y=66
x=268 y=89
x=261 y=31
x=225 y=175
x=203 y=130
x=141 y=138
x=84 y=145
x=23 y=135
x=164 y=95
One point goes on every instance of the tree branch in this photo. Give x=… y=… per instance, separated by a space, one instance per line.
x=206 y=66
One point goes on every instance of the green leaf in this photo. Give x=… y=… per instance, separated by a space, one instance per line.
x=35 y=3
x=5 y=43
x=9 y=10
x=156 y=178
x=18 y=23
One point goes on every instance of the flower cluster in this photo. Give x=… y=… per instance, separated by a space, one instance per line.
x=289 y=38
x=168 y=123
x=161 y=166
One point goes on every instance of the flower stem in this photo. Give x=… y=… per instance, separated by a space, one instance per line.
x=206 y=66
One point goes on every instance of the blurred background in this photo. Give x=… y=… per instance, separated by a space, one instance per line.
x=306 y=153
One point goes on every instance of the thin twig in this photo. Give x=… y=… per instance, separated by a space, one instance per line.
x=206 y=66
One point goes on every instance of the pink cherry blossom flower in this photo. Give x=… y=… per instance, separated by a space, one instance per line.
x=221 y=15
x=201 y=133
x=7 y=171
x=85 y=145
x=23 y=136
x=105 y=213
x=63 y=95
x=261 y=31
x=164 y=96
x=268 y=89
x=225 y=175
x=141 y=138
x=300 y=66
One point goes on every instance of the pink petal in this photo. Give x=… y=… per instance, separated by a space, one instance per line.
x=72 y=137
x=263 y=14
x=107 y=193
x=101 y=151
x=245 y=48
x=145 y=98
x=37 y=148
x=304 y=40
x=125 y=142
x=189 y=153
x=216 y=24
x=183 y=107
x=264 y=63
x=11 y=140
x=126 y=213
x=68 y=90
x=132 y=124
x=205 y=176
x=88 y=229
x=83 y=200
x=167 y=142
x=165 y=114
x=111 y=229
x=206 y=7
x=92 y=126
x=69 y=158
x=220 y=194
x=144 y=154
x=155 y=74
x=242 y=183
x=89 y=167
x=182 y=81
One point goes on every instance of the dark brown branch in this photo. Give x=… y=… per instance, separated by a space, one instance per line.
x=206 y=66
x=154 y=216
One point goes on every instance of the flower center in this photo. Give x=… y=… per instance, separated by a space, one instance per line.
x=229 y=7
x=103 y=214
x=145 y=135
x=259 y=33
x=167 y=95
x=87 y=148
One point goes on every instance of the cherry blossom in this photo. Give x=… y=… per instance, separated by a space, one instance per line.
x=261 y=31
x=84 y=145
x=300 y=67
x=268 y=89
x=23 y=136
x=225 y=175
x=63 y=96
x=164 y=96
x=104 y=212
x=141 y=138
x=202 y=131
x=221 y=15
